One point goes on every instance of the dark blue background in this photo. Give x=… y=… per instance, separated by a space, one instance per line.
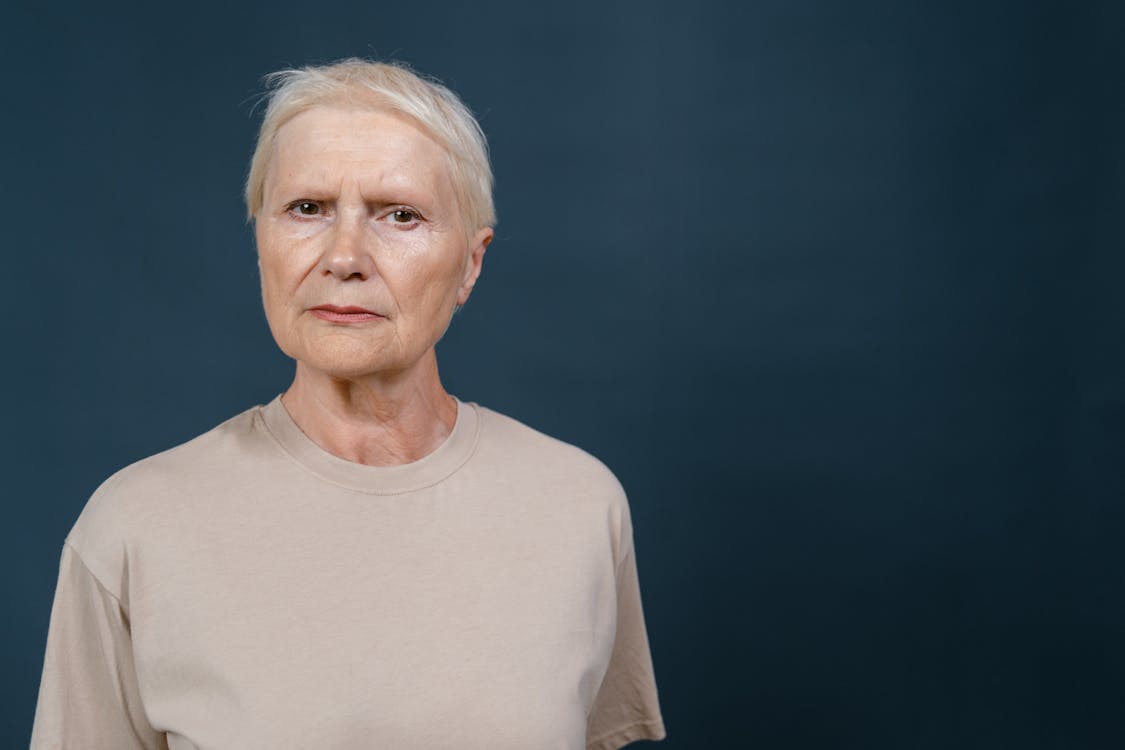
x=835 y=289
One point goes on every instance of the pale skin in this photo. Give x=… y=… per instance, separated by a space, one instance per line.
x=358 y=211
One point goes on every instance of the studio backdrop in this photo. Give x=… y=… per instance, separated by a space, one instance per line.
x=835 y=289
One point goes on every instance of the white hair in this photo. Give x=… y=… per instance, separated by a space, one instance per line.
x=382 y=87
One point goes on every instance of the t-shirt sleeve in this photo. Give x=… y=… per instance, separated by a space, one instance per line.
x=626 y=707
x=88 y=694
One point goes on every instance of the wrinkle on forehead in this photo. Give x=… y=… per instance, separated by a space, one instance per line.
x=328 y=149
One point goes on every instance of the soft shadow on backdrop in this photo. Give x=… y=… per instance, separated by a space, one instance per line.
x=835 y=289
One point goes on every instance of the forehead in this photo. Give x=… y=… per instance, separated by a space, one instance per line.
x=326 y=145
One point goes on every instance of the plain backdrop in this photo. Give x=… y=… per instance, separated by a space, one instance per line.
x=834 y=288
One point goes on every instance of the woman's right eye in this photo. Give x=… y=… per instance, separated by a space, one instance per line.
x=305 y=208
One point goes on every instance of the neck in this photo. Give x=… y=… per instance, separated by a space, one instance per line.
x=378 y=420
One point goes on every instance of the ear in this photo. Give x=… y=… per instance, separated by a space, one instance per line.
x=473 y=263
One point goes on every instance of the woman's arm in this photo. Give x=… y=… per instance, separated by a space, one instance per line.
x=627 y=706
x=88 y=695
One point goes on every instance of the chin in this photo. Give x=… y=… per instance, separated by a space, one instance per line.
x=346 y=367
x=347 y=362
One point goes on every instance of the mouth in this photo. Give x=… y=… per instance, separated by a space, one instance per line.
x=344 y=314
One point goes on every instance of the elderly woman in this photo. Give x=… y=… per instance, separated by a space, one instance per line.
x=365 y=561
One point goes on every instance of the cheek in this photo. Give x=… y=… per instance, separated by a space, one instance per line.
x=429 y=294
x=274 y=268
x=276 y=297
x=267 y=280
x=433 y=277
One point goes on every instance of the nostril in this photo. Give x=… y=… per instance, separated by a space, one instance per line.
x=345 y=275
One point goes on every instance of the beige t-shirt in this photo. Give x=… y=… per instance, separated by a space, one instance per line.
x=248 y=589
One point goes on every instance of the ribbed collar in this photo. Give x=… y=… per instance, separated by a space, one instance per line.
x=375 y=480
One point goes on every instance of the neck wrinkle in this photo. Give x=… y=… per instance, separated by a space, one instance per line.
x=374 y=420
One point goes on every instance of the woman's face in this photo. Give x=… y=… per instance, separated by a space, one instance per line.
x=360 y=243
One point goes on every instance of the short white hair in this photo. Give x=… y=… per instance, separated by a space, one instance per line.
x=381 y=87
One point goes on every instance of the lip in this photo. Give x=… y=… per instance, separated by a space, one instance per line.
x=344 y=313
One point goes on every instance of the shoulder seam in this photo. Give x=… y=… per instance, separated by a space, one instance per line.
x=102 y=586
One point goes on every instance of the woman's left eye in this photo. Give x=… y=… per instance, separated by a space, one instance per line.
x=405 y=216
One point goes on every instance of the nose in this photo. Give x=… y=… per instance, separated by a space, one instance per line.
x=346 y=256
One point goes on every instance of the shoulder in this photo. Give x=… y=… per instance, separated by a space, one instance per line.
x=168 y=470
x=524 y=449
x=557 y=476
x=139 y=495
